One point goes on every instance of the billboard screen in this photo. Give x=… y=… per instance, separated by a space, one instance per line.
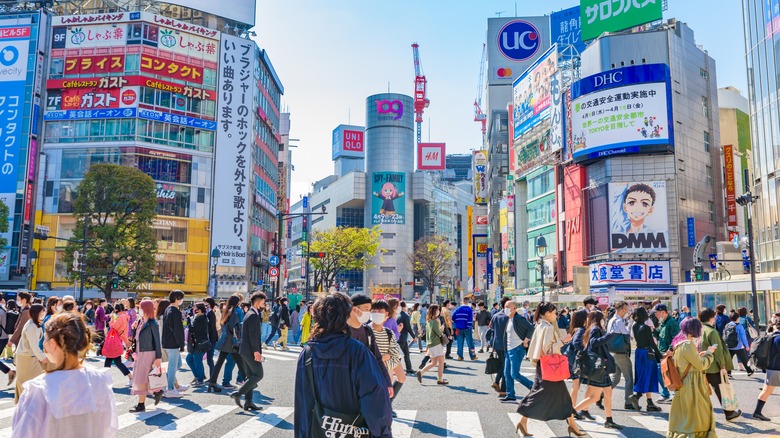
x=348 y=141
x=430 y=156
x=388 y=205
x=480 y=177
x=565 y=29
x=513 y=44
x=622 y=111
x=600 y=16
x=233 y=166
x=531 y=93
x=638 y=217
x=242 y=11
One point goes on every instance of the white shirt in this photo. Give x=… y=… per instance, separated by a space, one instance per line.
x=513 y=341
x=617 y=325
x=67 y=404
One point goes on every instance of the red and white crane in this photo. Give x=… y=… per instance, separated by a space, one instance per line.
x=479 y=115
x=420 y=93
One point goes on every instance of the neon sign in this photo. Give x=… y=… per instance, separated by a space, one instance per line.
x=390 y=107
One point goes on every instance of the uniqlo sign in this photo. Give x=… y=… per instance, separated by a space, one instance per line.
x=430 y=156
x=352 y=141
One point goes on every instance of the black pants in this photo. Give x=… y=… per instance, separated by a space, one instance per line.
x=449 y=349
x=210 y=359
x=500 y=376
x=742 y=357
x=274 y=331
x=3 y=367
x=254 y=374
x=221 y=360
x=714 y=380
x=405 y=348
x=118 y=362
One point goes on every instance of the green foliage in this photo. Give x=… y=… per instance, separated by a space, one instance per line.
x=431 y=259
x=345 y=249
x=4 y=212
x=120 y=204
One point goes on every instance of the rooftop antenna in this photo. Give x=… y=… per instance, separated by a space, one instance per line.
x=498 y=14
x=388 y=86
x=515 y=9
x=429 y=129
x=349 y=115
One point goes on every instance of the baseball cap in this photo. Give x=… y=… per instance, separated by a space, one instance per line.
x=358 y=299
x=660 y=308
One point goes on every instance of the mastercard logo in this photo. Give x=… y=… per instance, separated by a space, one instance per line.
x=504 y=72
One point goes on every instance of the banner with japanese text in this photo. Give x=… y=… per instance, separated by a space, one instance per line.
x=631 y=273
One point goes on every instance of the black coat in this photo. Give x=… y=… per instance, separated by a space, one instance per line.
x=173 y=329
x=250 y=335
x=407 y=331
x=199 y=332
x=213 y=333
x=597 y=343
x=149 y=338
x=284 y=316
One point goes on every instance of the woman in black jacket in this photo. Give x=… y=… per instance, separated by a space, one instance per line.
x=646 y=361
x=228 y=341
x=148 y=356
x=198 y=343
x=577 y=331
x=598 y=382
x=213 y=332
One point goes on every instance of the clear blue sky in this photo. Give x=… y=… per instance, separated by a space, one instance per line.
x=331 y=55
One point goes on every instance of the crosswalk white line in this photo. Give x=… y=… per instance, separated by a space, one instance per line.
x=260 y=423
x=464 y=424
x=535 y=427
x=191 y=423
x=403 y=424
x=652 y=423
x=279 y=357
x=131 y=418
x=7 y=413
x=6 y=401
x=595 y=429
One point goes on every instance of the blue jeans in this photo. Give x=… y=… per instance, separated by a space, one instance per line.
x=664 y=391
x=469 y=341
x=228 y=375
x=295 y=334
x=195 y=362
x=174 y=362
x=514 y=358
x=264 y=331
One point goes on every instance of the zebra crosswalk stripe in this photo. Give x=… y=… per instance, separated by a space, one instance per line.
x=186 y=425
x=276 y=356
x=262 y=422
x=535 y=427
x=130 y=418
x=403 y=424
x=596 y=430
x=652 y=423
x=464 y=424
x=8 y=412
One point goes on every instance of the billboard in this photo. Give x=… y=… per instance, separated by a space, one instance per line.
x=469 y=233
x=242 y=11
x=566 y=29
x=98 y=35
x=731 y=186
x=349 y=141
x=98 y=65
x=388 y=205
x=513 y=44
x=622 y=111
x=123 y=81
x=638 y=217
x=88 y=99
x=631 y=273
x=172 y=69
x=599 y=16
x=431 y=156
x=480 y=177
x=531 y=93
x=233 y=166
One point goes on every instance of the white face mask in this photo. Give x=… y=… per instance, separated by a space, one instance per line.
x=378 y=318
x=363 y=317
x=59 y=308
x=49 y=355
x=508 y=311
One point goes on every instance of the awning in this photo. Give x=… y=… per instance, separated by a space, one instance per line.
x=737 y=284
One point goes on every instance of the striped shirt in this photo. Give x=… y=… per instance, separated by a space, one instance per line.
x=385 y=341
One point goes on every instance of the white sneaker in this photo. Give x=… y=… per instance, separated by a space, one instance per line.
x=183 y=388
x=172 y=394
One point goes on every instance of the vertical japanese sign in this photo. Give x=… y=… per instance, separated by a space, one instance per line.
x=731 y=189
x=489 y=268
x=233 y=156
x=14 y=49
x=480 y=177
x=388 y=205
x=690 y=224
x=469 y=233
x=565 y=30
x=556 y=112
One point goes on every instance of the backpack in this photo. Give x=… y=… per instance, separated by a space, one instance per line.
x=730 y=335
x=672 y=379
x=112 y=346
x=760 y=350
x=10 y=321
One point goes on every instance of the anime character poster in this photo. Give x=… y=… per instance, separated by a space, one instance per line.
x=639 y=221
x=388 y=204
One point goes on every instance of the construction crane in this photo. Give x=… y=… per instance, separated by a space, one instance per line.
x=479 y=115
x=420 y=94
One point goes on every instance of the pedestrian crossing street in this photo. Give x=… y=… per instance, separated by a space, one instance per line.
x=176 y=419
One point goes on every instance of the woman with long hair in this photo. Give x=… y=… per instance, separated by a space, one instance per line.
x=198 y=343
x=228 y=342
x=547 y=400
x=646 y=360
x=596 y=340
x=435 y=352
x=132 y=313
x=306 y=324
x=148 y=356
x=30 y=358
x=56 y=403
x=577 y=332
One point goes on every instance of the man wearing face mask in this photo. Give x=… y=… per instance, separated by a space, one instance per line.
x=498 y=324
x=518 y=336
x=358 y=318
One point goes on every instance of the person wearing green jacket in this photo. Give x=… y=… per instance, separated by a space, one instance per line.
x=717 y=373
x=666 y=331
x=435 y=348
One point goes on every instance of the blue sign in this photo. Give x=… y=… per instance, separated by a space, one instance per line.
x=519 y=40
x=565 y=30
x=489 y=270
x=159 y=116
x=736 y=241
x=691 y=224
x=124 y=113
x=305 y=202
x=273 y=260
x=713 y=261
x=36 y=113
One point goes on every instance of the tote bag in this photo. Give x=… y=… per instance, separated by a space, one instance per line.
x=555 y=367
x=728 y=398
x=158 y=378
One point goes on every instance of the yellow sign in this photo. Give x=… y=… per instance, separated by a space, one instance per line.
x=469 y=234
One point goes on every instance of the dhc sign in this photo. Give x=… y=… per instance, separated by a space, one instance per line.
x=519 y=40
x=612 y=78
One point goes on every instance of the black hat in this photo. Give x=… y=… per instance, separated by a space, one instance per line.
x=358 y=299
x=660 y=308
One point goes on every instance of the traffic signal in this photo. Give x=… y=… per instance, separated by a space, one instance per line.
x=699 y=273
x=317 y=255
x=115 y=283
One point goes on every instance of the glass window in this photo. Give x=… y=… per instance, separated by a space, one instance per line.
x=703 y=73
x=209 y=77
x=170 y=237
x=150 y=32
x=711 y=207
x=708 y=175
x=173 y=200
x=132 y=63
x=705 y=106
x=706 y=141
x=128 y=129
x=169 y=268
x=112 y=129
x=134 y=32
x=67 y=196
x=164 y=99
x=56 y=67
x=147 y=95
x=96 y=128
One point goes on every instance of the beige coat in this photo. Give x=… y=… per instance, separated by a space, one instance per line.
x=546 y=340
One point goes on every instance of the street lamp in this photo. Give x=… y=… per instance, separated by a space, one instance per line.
x=33 y=257
x=541 y=250
x=747 y=201
x=215 y=254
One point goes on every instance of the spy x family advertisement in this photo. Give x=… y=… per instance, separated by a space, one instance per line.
x=388 y=205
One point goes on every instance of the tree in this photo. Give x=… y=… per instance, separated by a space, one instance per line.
x=431 y=259
x=4 y=212
x=344 y=249
x=119 y=203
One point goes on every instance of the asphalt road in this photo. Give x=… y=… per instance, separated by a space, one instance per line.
x=468 y=407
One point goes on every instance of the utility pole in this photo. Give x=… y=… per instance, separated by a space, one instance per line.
x=747 y=201
x=279 y=254
x=83 y=259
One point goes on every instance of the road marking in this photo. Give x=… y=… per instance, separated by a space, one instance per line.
x=191 y=423
x=463 y=425
x=595 y=429
x=7 y=413
x=403 y=424
x=131 y=418
x=652 y=423
x=274 y=356
x=261 y=422
x=535 y=427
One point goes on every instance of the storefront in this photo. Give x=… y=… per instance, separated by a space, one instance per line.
x=736 y=293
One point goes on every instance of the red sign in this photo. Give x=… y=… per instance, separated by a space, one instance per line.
x=96 y=99
x=121 y=81
x=431 y=156
x=352 y=141
x=15 y=32
x=95 y=64
x=731 y=190
x=574 y=179
x=172 y=69
x=482 y=220
x=273 y=272
x=28 y=203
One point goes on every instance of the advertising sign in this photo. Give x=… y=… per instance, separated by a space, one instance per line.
x=565 y=30
x=531 y=93
x=622 y=111
x=187 y=44
x=599 y=16
x=242 y=11
x=126 y=113
x=489 y=272
x=636 y=273
x=431 y=156
x=159 y=116
x=731 y=186
x=97 y=65
x=171 y=69
x=99 y=35
x=639 y=220
x=348 y=141
x=388 y=205
x=513 y=44
x=469 y=233
x=86 y=99
x=480 y=177
x=690 y=224
x=482 y=220
x=233 y=166
x=122 y=81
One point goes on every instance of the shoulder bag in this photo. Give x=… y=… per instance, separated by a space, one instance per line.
x=326 y=422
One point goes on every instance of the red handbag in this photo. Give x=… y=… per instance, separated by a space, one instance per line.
x=555 y=367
